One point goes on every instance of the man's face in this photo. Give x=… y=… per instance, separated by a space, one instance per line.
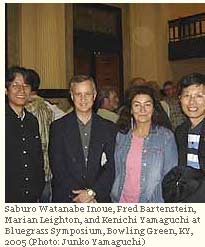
x=83 y=96
x=193 y=102
x=113 y=100
x=18 y=92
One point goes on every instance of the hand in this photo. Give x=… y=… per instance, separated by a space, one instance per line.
x=82 y=196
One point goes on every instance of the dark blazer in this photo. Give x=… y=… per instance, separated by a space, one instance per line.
x=23 y=158
x=68 y=163
x=181 y=134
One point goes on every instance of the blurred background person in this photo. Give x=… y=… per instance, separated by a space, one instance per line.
x=176 y=115
x=145 y=150
x=24 y=158
x=169 y=88
x=107 y=103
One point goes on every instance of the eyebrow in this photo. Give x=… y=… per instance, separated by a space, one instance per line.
x=148 y=101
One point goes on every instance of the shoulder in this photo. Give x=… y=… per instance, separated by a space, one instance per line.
x=182 y=128
x=67 y=119
x=106 y=127
x=123 y=138
x=30 y=116
x=164 y=132
x=102 y=121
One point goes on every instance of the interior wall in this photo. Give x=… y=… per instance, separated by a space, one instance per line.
x=182 y=67
x=43 y=42
x=149 y=41
x=13 y=25
x=40 y=37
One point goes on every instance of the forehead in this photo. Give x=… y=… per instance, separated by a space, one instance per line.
x=18 y=78
x=142 y=98
x=195 y=88
x=82 y=86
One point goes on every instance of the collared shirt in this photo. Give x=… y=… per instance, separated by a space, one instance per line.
x=85 y=136
x=22 y=116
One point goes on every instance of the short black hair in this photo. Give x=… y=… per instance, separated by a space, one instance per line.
x=168 y=83
x=11 y=74
x=190 y=79
x=33 y=78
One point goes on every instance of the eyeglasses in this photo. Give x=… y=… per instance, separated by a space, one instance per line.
x=17 y=86
x=197 y=97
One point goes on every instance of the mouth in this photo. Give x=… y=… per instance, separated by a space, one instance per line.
x=20 y=96
x=192 y=109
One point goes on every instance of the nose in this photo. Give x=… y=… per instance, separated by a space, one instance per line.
x=21 y=88
x=192 y=99
x=142 y=108
x=83 y=97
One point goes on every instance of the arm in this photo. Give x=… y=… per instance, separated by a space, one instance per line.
x=170 y=161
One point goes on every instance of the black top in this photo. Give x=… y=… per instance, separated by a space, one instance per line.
x=182 y=143
x=24 y=172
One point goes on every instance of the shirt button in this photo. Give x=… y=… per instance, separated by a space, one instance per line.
x=86 y=147
x=24 y=152
x=144 y=164
x=22 y=126
x=26 y=165
x=26 y=179
x=83 y=176
x=86 y=134
x=26 y=192
x=23 y=139
x=145 y=151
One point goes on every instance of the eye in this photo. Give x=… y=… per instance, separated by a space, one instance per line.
x=199 y=96
x=136 y=105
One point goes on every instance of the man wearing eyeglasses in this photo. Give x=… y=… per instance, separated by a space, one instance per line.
x=191 y=134
x=24 y=171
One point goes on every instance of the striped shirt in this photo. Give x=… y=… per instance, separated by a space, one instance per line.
x=193 y=146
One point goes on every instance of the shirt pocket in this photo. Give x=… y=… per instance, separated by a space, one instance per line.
x=153 y=160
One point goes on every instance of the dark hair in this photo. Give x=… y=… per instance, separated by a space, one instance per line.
x=124 y=122
x=168 y=83
x=33 y=78
x=11 y=74
x=190 y=79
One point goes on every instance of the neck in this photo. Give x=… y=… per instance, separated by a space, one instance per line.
x=17 y=109
x=84 y=116
x=196 y=121
x=142 y=129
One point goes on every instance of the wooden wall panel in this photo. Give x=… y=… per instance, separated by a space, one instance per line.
x=43 y=42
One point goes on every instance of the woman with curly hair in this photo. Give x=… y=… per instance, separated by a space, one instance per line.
x=145 y=150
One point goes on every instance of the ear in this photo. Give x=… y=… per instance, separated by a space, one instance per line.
x=6 y=91
x=71 y=95
x=94 y=95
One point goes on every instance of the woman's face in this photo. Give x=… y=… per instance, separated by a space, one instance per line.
x=142 y=108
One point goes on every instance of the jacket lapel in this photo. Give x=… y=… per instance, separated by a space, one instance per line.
x=96 y=143
x=73 y=141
